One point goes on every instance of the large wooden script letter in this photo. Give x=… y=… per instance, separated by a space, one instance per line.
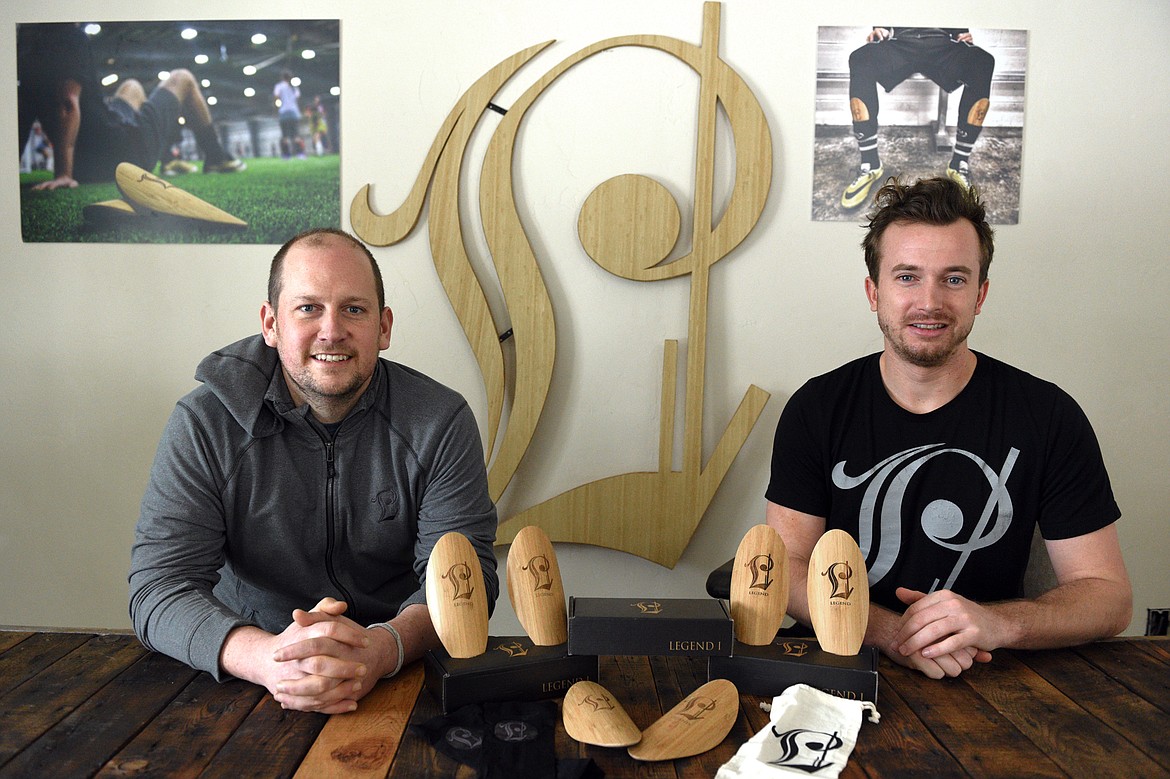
x=627 y=225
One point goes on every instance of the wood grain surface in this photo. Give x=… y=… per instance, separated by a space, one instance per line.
x=838 y=593
x=457 y=596
x=535 y=588
x=759 y=586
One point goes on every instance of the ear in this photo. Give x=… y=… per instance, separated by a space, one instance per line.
x=268 y=324
x=871 y=293
x=387 y=322
x=982 y=296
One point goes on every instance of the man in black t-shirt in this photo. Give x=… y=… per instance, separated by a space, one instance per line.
x=941 y=461
x=58 y=85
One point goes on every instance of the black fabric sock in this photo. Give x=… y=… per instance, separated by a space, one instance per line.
x=519 y=740
x=208 y=143
x=506 y=741
x=961 y=156
x=458 y=735
x=863 y=106
x=866 y=134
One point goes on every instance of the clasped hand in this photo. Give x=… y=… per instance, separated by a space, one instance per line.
x=942 y=634
x=323 y=661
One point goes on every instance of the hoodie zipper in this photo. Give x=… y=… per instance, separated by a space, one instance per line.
x=330 y=535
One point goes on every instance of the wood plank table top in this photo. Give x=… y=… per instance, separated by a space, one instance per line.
x=92 y=704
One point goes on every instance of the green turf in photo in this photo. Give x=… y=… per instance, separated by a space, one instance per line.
x=277 y=198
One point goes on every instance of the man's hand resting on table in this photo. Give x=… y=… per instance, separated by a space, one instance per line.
x=899 y=638
x=321 y=662
x=940 y=634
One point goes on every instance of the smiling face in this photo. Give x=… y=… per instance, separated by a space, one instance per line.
x=928 y=292
x=326 y=325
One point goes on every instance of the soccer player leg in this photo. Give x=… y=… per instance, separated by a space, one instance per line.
x=978 y=67
x=863 y=109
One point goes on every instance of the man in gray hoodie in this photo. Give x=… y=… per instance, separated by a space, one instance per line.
x=306 y=470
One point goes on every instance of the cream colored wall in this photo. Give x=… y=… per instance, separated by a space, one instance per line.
x=100 y=340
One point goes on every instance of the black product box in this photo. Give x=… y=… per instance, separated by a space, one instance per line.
x=512 y=669
x=770 y=669
x=651 y=626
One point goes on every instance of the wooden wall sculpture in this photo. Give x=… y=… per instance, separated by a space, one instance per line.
x=627 y=225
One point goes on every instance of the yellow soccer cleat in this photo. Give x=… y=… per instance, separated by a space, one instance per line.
x=178 y=168
x=858 y=192
x=226 y=166
x=962 y=176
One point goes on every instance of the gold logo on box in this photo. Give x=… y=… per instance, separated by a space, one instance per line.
x=562 y=684
x=694 y=646
x=514 y=649
x=795 y=648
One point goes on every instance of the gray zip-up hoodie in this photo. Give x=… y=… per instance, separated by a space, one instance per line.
x=251 y=511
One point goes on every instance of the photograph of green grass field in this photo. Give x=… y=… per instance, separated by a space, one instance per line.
x=277 y=198
x=179 y=132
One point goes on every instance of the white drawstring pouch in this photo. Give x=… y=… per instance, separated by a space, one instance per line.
x=811 y=733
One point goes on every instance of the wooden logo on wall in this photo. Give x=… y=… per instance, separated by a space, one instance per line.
x=652 y=515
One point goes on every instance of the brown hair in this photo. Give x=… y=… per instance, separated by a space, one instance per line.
x=316 y=237
x=934 y=201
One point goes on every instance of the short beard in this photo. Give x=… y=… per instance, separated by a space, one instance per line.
x=921 y=359
x=315 y=395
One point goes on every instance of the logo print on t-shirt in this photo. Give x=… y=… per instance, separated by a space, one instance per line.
x=941 y=520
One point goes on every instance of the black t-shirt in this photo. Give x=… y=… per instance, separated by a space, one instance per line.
x=948 y=499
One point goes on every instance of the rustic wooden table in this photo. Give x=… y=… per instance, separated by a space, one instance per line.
x=86 y=704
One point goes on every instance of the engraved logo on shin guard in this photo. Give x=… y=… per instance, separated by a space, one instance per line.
x=861 y=113
x=978 y=112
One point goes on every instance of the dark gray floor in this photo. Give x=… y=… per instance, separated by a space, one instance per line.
x=908 y=152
